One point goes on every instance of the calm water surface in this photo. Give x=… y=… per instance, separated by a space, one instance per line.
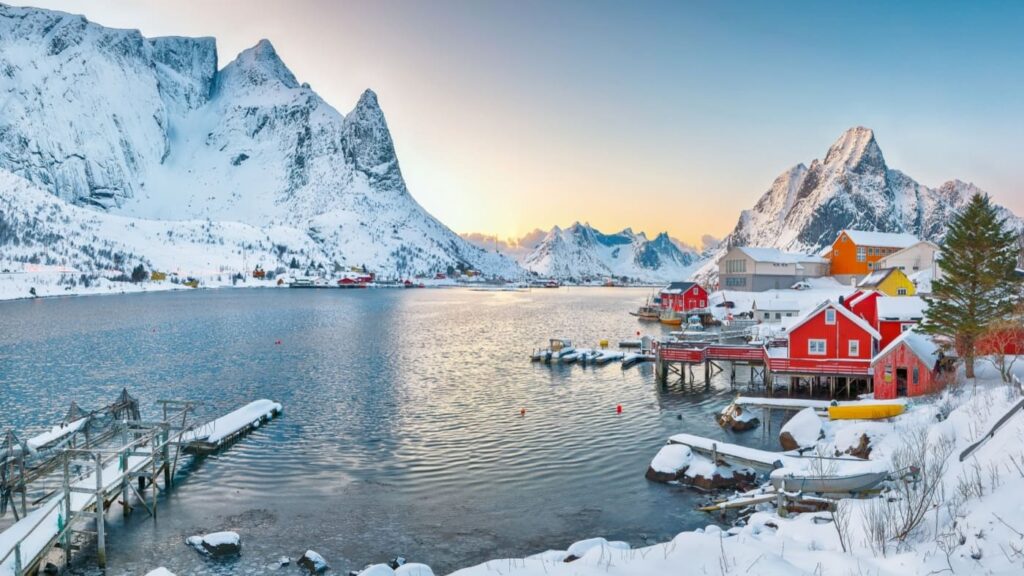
x=401 y=432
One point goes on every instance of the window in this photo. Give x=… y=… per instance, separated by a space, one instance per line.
x=816 y=347
x=735 y=266
x=915 y=375
x=861 y=254
x=703 y=303
x=767 y=315
x=853 y=348
x=871 y=265
x=905 y=327
x=888 y=372
x=695 y=290
x=735 y=281
x=901 y=291
x=830 y=316
x=778 y=315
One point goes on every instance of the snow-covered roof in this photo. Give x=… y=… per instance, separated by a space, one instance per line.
x=901 y=308
x=862 y=296
x=678 y=287
x=921 y=345
x=883 y=239
x=857 y=320
x=877 y=277
x=776 y=256
x=775 y=304
x=901 y=251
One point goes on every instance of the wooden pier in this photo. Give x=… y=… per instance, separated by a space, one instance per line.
x=99 y=458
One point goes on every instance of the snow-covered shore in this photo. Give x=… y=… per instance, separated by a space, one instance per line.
x=975 y=525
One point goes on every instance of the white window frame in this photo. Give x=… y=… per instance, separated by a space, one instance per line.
x=853 y=348
x=830 y=312
x=812 y=346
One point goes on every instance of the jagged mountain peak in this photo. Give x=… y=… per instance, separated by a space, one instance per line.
x=855 y=149
x=259 y=66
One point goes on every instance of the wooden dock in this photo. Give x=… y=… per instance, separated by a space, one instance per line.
x=104 y=459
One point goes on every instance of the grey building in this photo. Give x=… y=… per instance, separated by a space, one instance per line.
x=757 y=269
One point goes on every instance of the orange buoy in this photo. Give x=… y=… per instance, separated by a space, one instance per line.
x=618 y=409
x=522 y=411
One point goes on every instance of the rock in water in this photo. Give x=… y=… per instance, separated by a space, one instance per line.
x=801 y=431
x=313 y=562
x=413 y=569
x=395 y=562
x=377 y=570
x=217 y=544
x=737 y=419
x=669 y=463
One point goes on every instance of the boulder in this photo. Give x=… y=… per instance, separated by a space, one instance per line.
x=801 y=431
x=313 y=562
x=395 y=562
x=708 y=475
x=862 y=449
x=669 y=463
x=413 y=569
x=737 y=419
x=217 y=544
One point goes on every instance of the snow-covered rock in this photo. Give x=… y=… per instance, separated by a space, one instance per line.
x=413 y=569
x=801 y=431
x=217 y=543
x=313 y=562
x=669 y=463
x=852 y=188
x=377 y=570
x=161 y=571
x=150 y=128
x=582 y=252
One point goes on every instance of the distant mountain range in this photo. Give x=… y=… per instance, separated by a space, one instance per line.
x=852 y=188
x=582 y=252
x=152 y=129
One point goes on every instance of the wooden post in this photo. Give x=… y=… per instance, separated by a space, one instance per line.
x=67 y=510
x=707 y=372
x=101 y=536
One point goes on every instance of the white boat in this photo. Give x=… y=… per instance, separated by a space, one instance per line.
x=630 y=359
x=557 y=352
x=829 y=484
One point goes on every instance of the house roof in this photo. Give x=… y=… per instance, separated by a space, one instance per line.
x=922 y=346
x=901 y=308
x=776 y=304
x=776 y=256
x=678 y=287
x=862 y=296
x=898 y=252
x=857 y=320
x=883 y=239
x=874 y=279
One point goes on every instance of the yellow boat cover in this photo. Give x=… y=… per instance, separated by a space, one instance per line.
x=865 y=411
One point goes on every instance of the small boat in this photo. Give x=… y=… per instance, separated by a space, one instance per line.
x=559 y=351
x=606 y=356
x=829 y=484
x=629 y=360
x=411 y=284
x=647 y=312
x=695 y=331
x=670 y=317
x=865 y=411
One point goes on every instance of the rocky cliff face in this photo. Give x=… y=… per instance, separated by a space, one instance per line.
x=150 y=128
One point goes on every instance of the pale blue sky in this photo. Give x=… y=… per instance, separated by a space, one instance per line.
x=514 y=115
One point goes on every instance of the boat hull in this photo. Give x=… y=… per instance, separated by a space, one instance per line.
x=865 y=411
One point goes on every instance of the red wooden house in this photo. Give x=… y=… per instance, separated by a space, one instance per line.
x=830 y=340
x=897 y=314
x=908 y=366
x=683 y=297
x=864 y=303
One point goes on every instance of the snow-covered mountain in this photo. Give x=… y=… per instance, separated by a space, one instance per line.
x=580 y=251
x=807 y=206
x=151 y=128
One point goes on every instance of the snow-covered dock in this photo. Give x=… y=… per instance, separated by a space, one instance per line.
x=99 y=473
x=228 y=428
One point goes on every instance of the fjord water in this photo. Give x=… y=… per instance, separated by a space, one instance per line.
x=401 y=432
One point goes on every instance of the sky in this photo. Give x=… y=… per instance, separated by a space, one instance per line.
x=660 y=116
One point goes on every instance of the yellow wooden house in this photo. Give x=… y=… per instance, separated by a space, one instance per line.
x=889 y=281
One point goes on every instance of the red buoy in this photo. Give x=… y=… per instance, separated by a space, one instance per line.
x=618 y=409
x=277 y=341
x=522 y=411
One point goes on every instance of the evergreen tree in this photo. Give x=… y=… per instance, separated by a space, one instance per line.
x=139 y=273
x=979 y=285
